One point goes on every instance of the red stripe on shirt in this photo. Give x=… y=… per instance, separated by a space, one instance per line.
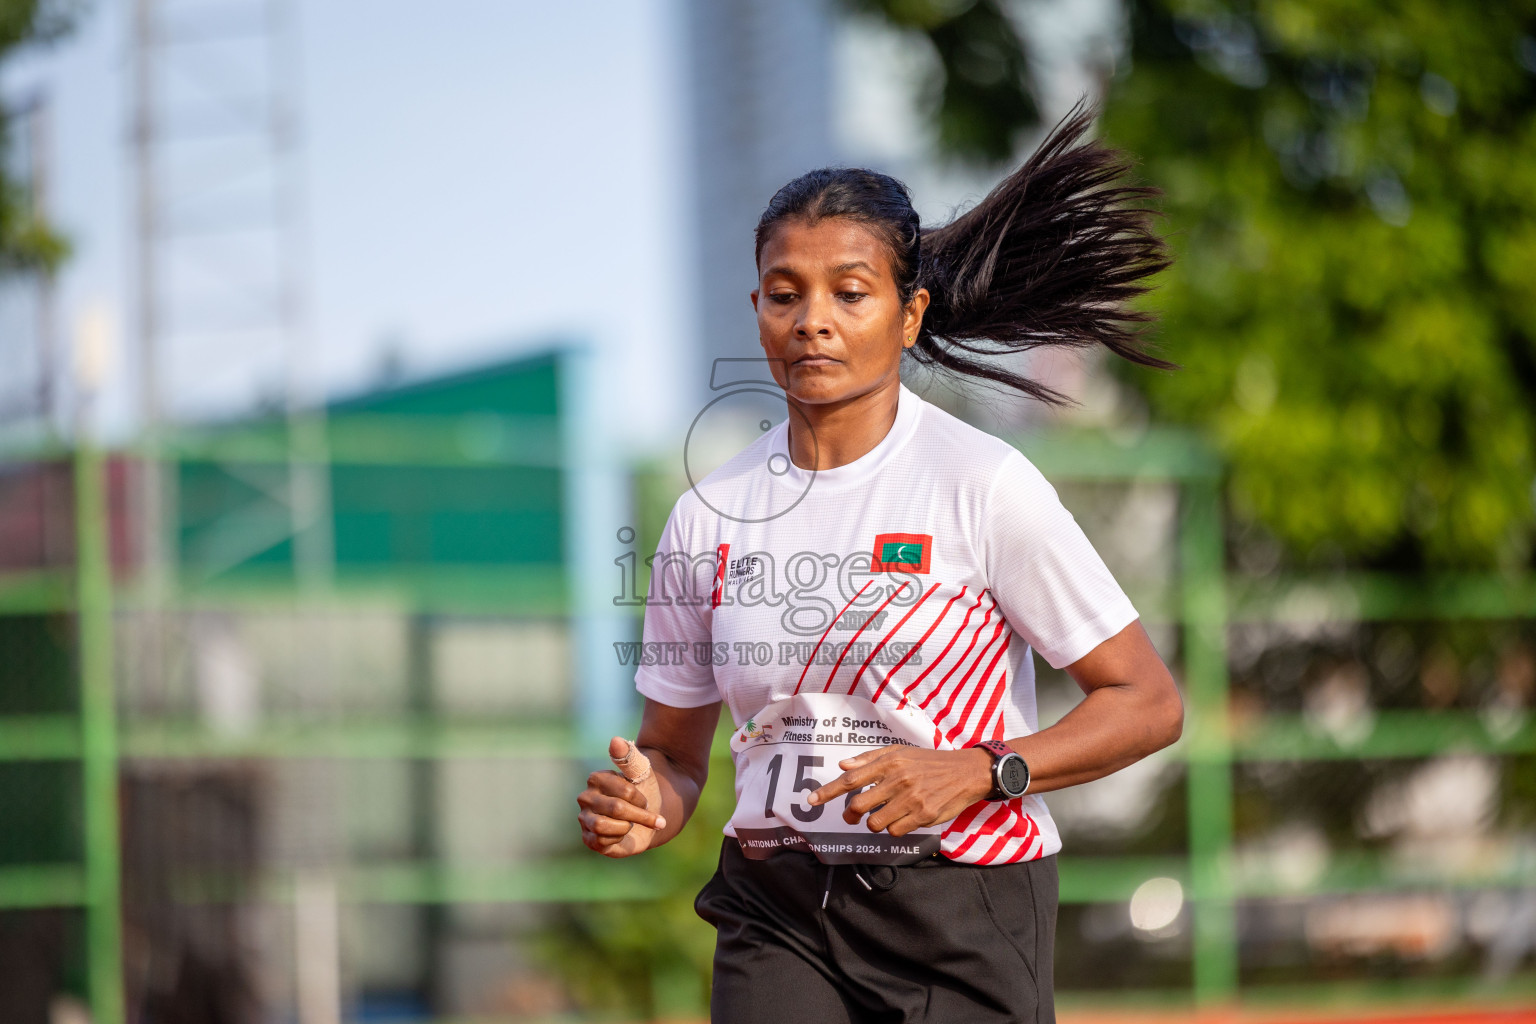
x=963 y=822
x=960 y=686
x=860 y=633
x=996 y=815
x=812 y=659
x=992 y=851
x=885 y=639
x=991 y=728
x=981 y=686
x=997 y=730
x=994 y=821
x=1023 y=828
x=942 y=654
x=995 y=704
x=916 y=647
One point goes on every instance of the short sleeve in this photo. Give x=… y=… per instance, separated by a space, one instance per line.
x=676 y=665
x=1051 y=584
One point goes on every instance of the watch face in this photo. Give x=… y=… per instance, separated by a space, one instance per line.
x=1013 y=775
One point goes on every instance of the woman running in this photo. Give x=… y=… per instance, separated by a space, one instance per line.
x=890 y=856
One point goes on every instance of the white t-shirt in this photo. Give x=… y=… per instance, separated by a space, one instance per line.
x=920 y=573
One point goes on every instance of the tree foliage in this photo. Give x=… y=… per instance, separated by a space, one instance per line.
x=981 y=97
x=1351 y=192
x=1350 y=195
x=26 y=242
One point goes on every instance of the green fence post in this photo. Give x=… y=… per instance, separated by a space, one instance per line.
x=1201 y=555
x=98 y=728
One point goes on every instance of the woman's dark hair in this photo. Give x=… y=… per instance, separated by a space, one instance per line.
x=1051 y=256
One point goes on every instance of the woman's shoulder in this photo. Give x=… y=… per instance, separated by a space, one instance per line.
x=721 y=483
x=964 y=451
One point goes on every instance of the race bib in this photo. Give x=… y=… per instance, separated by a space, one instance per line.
x=793 y=746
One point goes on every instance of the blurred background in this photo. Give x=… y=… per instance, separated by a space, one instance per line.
x=348 y=359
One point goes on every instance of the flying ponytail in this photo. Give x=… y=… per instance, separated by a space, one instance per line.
x=1051 y=257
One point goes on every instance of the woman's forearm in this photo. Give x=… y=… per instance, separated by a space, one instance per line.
x=1115 y=725
x=680 y=788
x=677 y=740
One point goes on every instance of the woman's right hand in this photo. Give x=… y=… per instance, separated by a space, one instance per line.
x=620 y=810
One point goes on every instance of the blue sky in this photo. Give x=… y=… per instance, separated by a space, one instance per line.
x=481 y=175
x=478 y=175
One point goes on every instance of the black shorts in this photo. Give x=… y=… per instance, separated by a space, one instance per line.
x=799 y=940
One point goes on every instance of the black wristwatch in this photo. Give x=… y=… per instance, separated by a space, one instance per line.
x=1010 y=772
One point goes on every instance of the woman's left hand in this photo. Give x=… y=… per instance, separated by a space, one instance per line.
x=916 y=787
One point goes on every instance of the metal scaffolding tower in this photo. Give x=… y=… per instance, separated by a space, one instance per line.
x=220 y=256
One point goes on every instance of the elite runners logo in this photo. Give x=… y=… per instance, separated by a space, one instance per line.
x=901 y=552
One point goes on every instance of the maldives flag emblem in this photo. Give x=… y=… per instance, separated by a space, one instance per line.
x=901 y=552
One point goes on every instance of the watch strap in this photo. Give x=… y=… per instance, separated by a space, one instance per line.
x=998 y=749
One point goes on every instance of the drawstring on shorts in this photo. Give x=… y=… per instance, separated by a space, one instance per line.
x=875 y=883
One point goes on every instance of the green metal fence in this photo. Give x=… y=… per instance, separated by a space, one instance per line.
x=1203 y=603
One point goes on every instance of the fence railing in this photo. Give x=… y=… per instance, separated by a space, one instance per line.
x=1204 y=602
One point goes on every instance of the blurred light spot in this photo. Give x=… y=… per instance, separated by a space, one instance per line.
x=1454 y=796
x=1301 y=856
x=1438 y=94
x=1389 y=199
x=1339 y=704
x=1156 y=903
x=95 y=347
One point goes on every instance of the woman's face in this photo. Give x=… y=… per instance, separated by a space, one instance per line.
x=829 y=316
